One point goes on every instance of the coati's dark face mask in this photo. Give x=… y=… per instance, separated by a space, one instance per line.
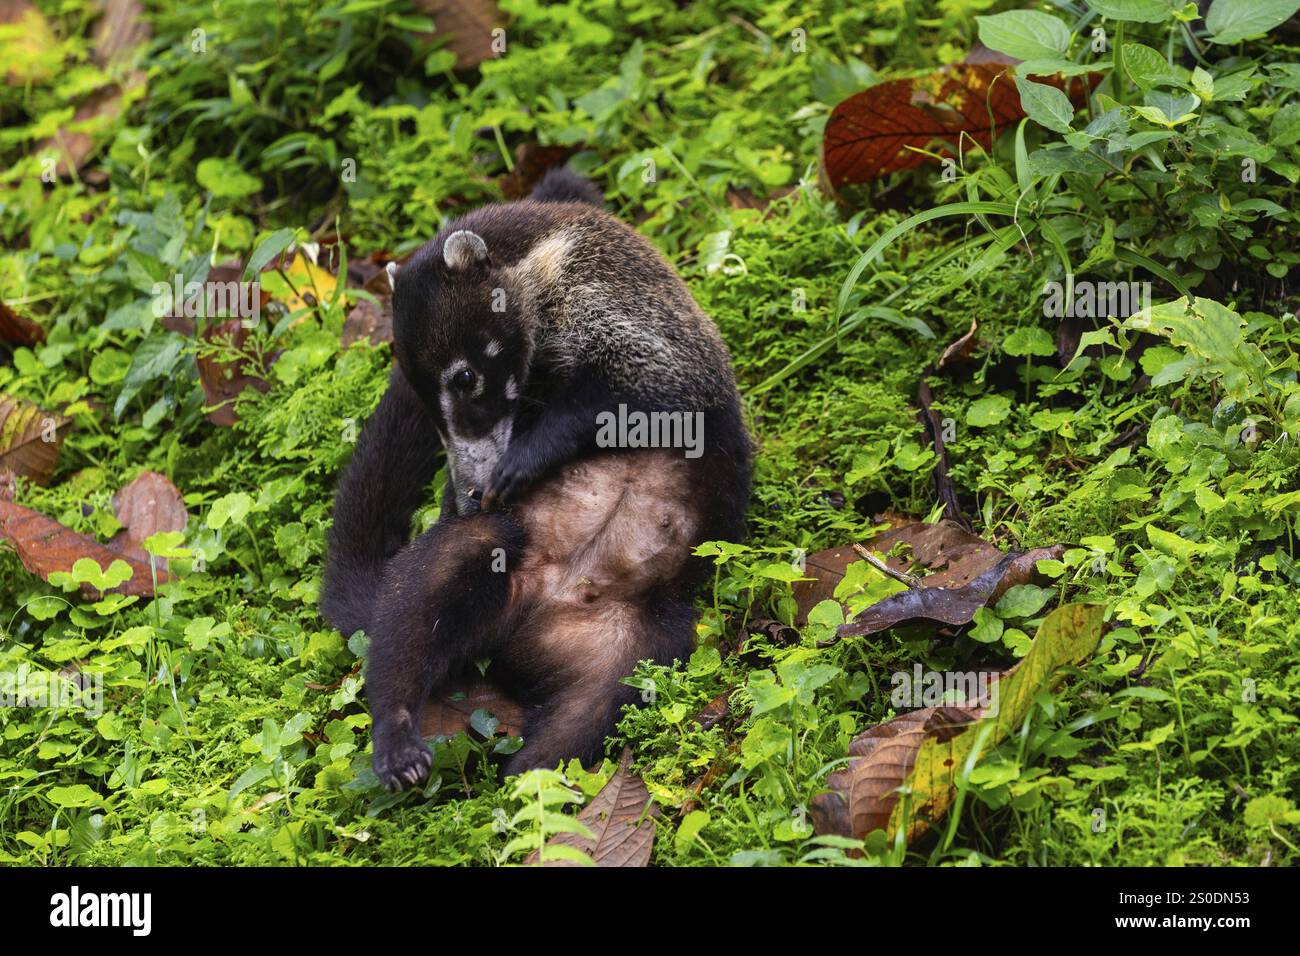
x=458 y=340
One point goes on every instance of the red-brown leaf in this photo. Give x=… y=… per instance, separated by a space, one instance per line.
x=17 y=329
x=867 y=135
x=44 y=546
x=223 y=381
x=966 y=574
x=532 y=162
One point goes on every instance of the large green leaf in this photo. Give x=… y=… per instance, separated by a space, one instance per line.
x=1025 y=34
x=1136 y=11
x=1231 y=21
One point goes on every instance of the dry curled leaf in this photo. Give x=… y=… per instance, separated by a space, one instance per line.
x=712 y=712
x=965 y=573
x=30 y=438
x=960 y=351
x=223 y=381
x=17 y=329
x=924 y=752
x=862 y=796
x=146 y=506
x=621 y=819
x=951 y=606
x=742 y=198
x=467 y=27
x=372 y=321
x=44 y=546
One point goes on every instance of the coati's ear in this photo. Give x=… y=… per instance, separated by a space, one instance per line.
x=391 y=269
x=463 y=249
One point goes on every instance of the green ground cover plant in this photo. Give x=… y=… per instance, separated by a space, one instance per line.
x=1158 y=445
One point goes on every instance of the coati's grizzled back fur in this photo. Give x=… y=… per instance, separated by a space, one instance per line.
x=515 y=329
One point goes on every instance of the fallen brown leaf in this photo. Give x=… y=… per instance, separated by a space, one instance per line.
x=620 y=816
x=960 y=351
x=467 y=26
x=223 y=381
x=743 y=198
x=373 y=320
x=30 y=438
x=370 y=321
x=966 y=573
x=146 y=506
x=952 y=606
x=448 y=711
x=862 y=797
x=44 y=546
x=532 y=162
x=868 y=135
x=950 y=555
x=924 y=750
x=17 y=329
x=712 y=712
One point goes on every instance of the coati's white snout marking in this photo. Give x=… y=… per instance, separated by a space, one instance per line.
x=463 y=248
x=471 y=459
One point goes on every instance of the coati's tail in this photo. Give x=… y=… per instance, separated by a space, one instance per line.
x=395 y=458
x=562 y=184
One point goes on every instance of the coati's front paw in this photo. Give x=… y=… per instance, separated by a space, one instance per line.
x=513 y=475
x=401 y=761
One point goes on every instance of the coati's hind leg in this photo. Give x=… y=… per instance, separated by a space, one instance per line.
x=583 y=663
x=436 y=612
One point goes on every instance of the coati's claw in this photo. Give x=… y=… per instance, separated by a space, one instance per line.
x=403 y=764
x=511 y=478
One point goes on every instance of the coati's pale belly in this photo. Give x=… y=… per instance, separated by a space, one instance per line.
x=603 y=534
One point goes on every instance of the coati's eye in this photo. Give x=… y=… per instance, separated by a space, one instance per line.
x=464 y=379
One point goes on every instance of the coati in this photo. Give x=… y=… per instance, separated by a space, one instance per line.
x=518 y=330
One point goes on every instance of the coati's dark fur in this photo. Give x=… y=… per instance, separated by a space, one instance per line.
x=562 y=562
